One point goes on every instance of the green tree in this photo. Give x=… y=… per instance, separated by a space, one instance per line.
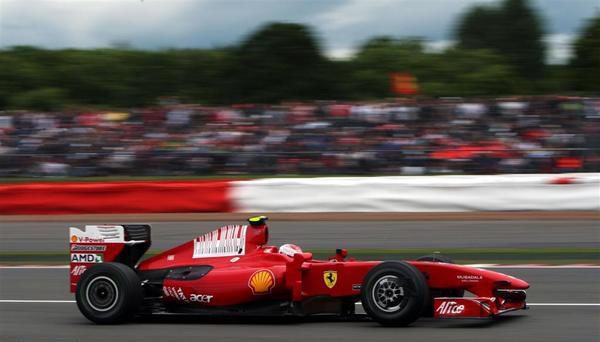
x=22 y=69
x=513 y=29
x=470 y=72
x=480 y=28
x=586 y=61
x=279 y=61
x=523 y=43
x=46 y=99
x=381 y=56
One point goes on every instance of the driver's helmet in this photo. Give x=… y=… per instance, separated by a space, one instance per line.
x=289 y=249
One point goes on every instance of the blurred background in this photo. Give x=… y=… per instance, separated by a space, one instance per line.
x=203 y=88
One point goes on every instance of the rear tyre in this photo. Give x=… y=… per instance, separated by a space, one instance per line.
x=394 y=293
x=109 y=293
x=428 y=312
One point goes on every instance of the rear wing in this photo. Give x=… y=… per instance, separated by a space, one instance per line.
x=106 y=243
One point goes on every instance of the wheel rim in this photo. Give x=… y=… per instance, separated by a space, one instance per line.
x=388 y=294
x=102 y=293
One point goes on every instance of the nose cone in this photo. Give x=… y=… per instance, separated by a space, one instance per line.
x=517 y=283
x=505 y=281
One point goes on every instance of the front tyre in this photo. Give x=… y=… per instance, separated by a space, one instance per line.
x=109 y=293
x=394 y=293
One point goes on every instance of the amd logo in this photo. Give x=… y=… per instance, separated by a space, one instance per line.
x=450 y=308
x=84 y=257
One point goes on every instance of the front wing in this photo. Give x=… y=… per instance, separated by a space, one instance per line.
x=477 y=307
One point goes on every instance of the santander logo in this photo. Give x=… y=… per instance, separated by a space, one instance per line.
x=450 y=308
x=78 y=270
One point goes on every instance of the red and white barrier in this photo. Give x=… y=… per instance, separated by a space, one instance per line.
x=420 y=193
x=580 y=191
x=115 y=197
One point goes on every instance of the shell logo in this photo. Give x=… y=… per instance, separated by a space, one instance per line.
x=73 y=238
x=261 y=282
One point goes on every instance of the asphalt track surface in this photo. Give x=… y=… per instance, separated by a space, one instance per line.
x=51 y=321
x=53 y=237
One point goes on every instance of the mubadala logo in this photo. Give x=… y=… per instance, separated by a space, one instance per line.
x=469 y=277
x=450 y=308
x=90 y=258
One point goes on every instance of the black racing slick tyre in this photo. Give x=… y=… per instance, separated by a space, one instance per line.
x=394 y=293
x=428 y=312
x=109 y=293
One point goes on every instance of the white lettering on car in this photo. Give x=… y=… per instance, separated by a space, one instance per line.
x=78 y=270
x=89 y=258
x=469 y=278
x=88 y=248
x=450 y=308
x=200 y=298
x=178 y=294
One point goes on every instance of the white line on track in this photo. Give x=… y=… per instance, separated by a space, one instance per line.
x=563 y=304
x=33 y=267
x=44 y=301
x=572 y=266
x=35 y=301
x=550 y=304
x=533 y=266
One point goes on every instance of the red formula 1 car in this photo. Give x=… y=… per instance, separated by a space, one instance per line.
x=232 y=271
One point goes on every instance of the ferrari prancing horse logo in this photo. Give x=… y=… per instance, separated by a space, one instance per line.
x=330 y=278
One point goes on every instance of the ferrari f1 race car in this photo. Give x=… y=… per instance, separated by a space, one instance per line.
x=231 y=270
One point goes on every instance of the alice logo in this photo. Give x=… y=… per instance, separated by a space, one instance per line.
x=261 y=282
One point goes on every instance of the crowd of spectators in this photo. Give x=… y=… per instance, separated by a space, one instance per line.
x=403 y=136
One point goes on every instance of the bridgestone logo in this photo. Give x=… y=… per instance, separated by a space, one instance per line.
x=87 y=248
x=450 y=308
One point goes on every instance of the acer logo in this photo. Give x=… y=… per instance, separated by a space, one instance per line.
x=178 y=294
x=199 y=298
x=78 y=270
x=450 y=308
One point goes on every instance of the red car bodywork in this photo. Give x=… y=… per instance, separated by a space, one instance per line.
x=233 y=266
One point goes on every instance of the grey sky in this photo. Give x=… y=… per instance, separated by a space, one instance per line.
x=341 y=24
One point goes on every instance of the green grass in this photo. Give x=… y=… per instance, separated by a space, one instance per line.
x=551 y=255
